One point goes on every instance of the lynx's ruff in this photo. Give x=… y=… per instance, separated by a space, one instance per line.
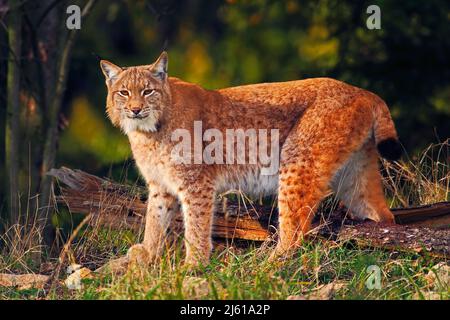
x=329 y=134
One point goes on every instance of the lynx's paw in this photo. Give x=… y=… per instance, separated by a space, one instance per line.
x=197 y=258
x=281 y=254
x=138 y=256
x=194 y=262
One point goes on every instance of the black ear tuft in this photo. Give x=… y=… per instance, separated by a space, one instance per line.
x=390 y=149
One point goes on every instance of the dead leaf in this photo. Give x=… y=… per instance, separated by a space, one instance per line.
x=73 y=281
x=429 y=295
x=438 y=277
x=322 y=292
x=297 y=297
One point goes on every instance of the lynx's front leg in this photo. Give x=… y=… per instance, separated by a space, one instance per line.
x=155 y=222
x=197 y=203
x=161 y=210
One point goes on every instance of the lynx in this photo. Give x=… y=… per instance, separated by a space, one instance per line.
x=330 y=137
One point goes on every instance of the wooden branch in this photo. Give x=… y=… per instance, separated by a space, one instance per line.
x=399 y=237
x=118 y=205
x=432 y=215
x=23 y=281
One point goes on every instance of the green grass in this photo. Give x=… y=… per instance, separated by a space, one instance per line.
x=247 y=274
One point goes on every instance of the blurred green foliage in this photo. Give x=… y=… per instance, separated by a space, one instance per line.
x=226 y=43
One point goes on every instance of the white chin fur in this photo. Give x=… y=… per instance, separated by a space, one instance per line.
x=147 y=124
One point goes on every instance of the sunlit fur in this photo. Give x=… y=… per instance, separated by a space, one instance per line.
x=328 y=133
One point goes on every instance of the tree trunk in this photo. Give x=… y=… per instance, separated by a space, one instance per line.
x=12 y=132
x=4 y=55
x=48 y=43
x=51 y=135
x=44 y=27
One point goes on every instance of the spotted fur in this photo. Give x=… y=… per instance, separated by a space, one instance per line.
x=328 y=131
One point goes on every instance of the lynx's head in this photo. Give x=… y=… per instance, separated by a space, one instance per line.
x=137 y=96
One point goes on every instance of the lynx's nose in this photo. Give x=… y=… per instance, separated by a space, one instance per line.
x=136 y=111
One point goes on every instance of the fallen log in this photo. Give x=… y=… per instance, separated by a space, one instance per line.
x=23 y=281
x=119 y=205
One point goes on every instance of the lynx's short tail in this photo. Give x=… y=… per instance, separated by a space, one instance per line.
x=384 y=132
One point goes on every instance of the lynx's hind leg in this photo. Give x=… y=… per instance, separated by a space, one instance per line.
x=300 y=192
x=311 y=155
x=358 y=185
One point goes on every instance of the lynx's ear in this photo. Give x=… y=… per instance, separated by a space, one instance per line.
x=110 y=70
x=159 y=68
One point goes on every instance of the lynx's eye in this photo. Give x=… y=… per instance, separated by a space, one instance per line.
x=124 y=93
x=148 y=92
